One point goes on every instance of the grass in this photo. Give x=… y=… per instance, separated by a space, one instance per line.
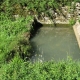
x=12 y=34
x=15 y=47
x=17 y=69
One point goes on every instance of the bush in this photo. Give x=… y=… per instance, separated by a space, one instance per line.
x=15 y=47
x=17 y=69
x=12 y=34
x=72 y=21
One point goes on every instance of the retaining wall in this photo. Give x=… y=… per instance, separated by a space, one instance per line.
x=76 y=29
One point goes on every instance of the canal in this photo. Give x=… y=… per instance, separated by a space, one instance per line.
x=54 y=43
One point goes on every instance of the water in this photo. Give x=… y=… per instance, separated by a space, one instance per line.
x=51 y=43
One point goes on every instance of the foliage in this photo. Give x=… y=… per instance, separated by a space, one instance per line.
x=15 y=47
x=40 y=6
x=79 y=20
x=12 y=33
x=72 y=21
x=17 y=69
x=26 y=7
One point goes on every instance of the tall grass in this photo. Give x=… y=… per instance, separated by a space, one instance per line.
x=15 y=47
x=17 y=69
x=11 y=35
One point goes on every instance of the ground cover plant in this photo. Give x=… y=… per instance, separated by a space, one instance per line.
x=12 y=34
x=17 y=69
x=15 y=24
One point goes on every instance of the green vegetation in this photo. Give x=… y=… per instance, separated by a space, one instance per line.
x=13 y=33
x=17 y=69
x=15 y=26
x=72 y=21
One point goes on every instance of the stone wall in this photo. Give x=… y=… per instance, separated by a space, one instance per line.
x=66 y=13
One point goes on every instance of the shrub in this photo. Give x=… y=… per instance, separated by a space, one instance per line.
x=12 y=33
x=72 y=21
x=17 y=69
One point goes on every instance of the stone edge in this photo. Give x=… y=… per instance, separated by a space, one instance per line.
x=76 y=32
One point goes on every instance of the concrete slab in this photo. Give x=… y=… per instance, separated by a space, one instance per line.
x=76 y=29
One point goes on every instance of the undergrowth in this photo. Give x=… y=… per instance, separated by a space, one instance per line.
x=15 y=47
x=17 y=69
x=13 y=37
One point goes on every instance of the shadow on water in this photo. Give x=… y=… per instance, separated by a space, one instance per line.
x=36 y=26
x=33 y=49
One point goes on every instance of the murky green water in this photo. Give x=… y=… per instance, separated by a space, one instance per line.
x=55 y=44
